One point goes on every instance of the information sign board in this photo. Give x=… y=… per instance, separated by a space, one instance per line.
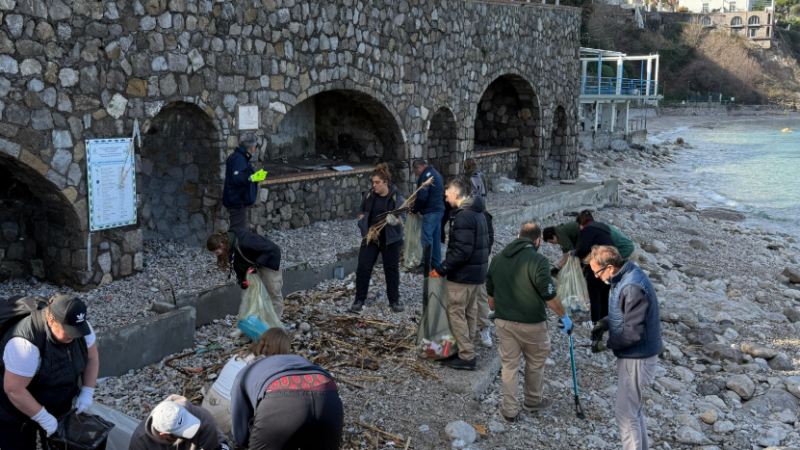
x=111 y=178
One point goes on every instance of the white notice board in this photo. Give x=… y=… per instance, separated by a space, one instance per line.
x=111 y=176
x=248 y=117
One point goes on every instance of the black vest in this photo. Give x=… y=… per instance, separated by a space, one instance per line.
x=57 y=381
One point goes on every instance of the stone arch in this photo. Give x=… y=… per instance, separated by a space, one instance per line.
x=560 y=139
x=442 y=144
x=508 y=115
x=42 y=231
x=180 y=174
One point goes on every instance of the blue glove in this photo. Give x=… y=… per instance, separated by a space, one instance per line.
x=573 y=252
x=565 y=324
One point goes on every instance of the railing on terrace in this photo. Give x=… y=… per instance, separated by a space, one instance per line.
x=608 y=86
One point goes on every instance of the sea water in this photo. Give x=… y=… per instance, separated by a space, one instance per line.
x=744 y=164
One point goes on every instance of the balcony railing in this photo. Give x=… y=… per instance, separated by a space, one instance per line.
x=608 y=86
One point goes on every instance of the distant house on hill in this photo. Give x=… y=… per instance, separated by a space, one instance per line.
x=736 y=16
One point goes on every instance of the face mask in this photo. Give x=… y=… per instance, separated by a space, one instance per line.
x=608 y=281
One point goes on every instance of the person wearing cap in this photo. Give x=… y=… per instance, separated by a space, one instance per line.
x=176 y=424
x=44 y=357
x=241 y=182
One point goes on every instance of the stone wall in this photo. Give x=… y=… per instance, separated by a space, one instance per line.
x=80 y=69
x=497 y=163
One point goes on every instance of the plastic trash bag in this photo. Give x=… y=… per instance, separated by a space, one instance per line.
x=124 y=425
x=434 y=338
x=572 y=286
x=504 y=185
x=80 y=432
x=256 y=314
x=412 y=247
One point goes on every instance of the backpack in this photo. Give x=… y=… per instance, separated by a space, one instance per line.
x=478 y=188
x=16 y=308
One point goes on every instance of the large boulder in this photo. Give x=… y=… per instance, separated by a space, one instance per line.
x=793 y=273
x=724 y=352
x=781 y=362
x=774 y=400
x=742 y=385
x=688 y=435
x=793 y=385
x=758 y=350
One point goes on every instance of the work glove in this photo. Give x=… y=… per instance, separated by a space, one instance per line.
x=391 y=219
x=598 y=331
x=554 y=271
x=258 y=176
x=434 y=274
x=598 y=347
x=244 y=284
x=84 y=400
x=565 y=324
x=251 y=270
x=46 y=420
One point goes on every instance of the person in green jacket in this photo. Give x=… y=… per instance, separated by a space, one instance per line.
x=519 y=286
x=625 y=246
x=567 y=235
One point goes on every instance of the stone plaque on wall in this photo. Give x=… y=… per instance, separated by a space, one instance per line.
x=247 y=117
x=111 y=182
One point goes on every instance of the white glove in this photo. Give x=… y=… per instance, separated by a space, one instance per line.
x=84 y=400
x=391 y=219
x=46 y=420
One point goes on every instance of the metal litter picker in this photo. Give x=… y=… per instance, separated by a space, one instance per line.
x=578 y=408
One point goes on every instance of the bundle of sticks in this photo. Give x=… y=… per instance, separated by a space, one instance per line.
x=375 y=230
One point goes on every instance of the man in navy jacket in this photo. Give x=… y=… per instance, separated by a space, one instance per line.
x=241 y=182
x=430 y=204
x=634 y=334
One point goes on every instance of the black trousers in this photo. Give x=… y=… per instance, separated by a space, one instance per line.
x=598 y=294
x=18 y=436
x=297 y=420
x=238 y=219
x=367 y=256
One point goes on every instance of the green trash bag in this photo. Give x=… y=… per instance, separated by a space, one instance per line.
x=412 y=247
x=256 y=313
x=572 y=286
x=435 y=339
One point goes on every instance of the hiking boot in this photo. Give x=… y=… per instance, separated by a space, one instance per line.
x=541 y=406
x=459 y=364
x=357 y=306
x=486 y=338
x=508 y=419
x=397 y=307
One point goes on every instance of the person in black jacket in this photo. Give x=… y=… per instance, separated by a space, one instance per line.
x=241 y=181
x=465 y=267
x=244 y=253
x=594 y=233
x=382 y=198
x=430 y=206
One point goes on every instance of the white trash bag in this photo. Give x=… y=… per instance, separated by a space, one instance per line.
x=504 y=185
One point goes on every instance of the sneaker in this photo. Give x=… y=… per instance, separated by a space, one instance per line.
x=397 y=307
x=460 y=364
x=508 y=419
x=486 y=338
x=357 y=306
x=541 y=406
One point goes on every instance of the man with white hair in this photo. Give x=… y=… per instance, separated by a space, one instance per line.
x=241 y=182
x=176 y=424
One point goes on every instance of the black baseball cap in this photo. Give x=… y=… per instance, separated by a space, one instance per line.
x=70 y=311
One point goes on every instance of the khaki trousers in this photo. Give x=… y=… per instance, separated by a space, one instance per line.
x=219 y=407
x=530 y=341
x=462 y=307
x=633 y=376
x=483 y=308
x=273 y=281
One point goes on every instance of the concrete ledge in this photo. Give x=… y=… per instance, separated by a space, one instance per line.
x=565 y=197
x=478 y=381
x=145 y=342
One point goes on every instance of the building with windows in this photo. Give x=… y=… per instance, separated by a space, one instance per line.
x=758 y=26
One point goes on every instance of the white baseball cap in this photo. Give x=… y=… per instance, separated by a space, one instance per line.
x=170 y=417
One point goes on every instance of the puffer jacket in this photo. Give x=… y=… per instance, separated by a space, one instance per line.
x=467 y=259
x=239 y=191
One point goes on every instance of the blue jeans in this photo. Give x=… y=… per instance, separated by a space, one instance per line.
x=432 y=234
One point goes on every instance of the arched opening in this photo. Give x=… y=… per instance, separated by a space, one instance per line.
x=40 y=229
x=556 y=165
x=508 y=116
x=442 y=144
x=707 y=21
x=736 y=21
x=309 y=153
x=754 y=20
x=180 y=179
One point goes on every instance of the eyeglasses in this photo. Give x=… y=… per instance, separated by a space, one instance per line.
x=597 y=274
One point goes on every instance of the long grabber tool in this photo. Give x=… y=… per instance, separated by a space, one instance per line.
x=578 y=409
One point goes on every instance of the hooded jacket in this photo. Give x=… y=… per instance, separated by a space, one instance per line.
x=476 y=180
x=569 y=236
x=393 y=233
x=429 y=200
x=520 y=282
x=467 y=259
x=239 y=191
x=208 y=437
x=594 y=233
x=253 y=250
x=633 y=321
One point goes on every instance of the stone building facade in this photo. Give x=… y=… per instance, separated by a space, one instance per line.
x=353 y=82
